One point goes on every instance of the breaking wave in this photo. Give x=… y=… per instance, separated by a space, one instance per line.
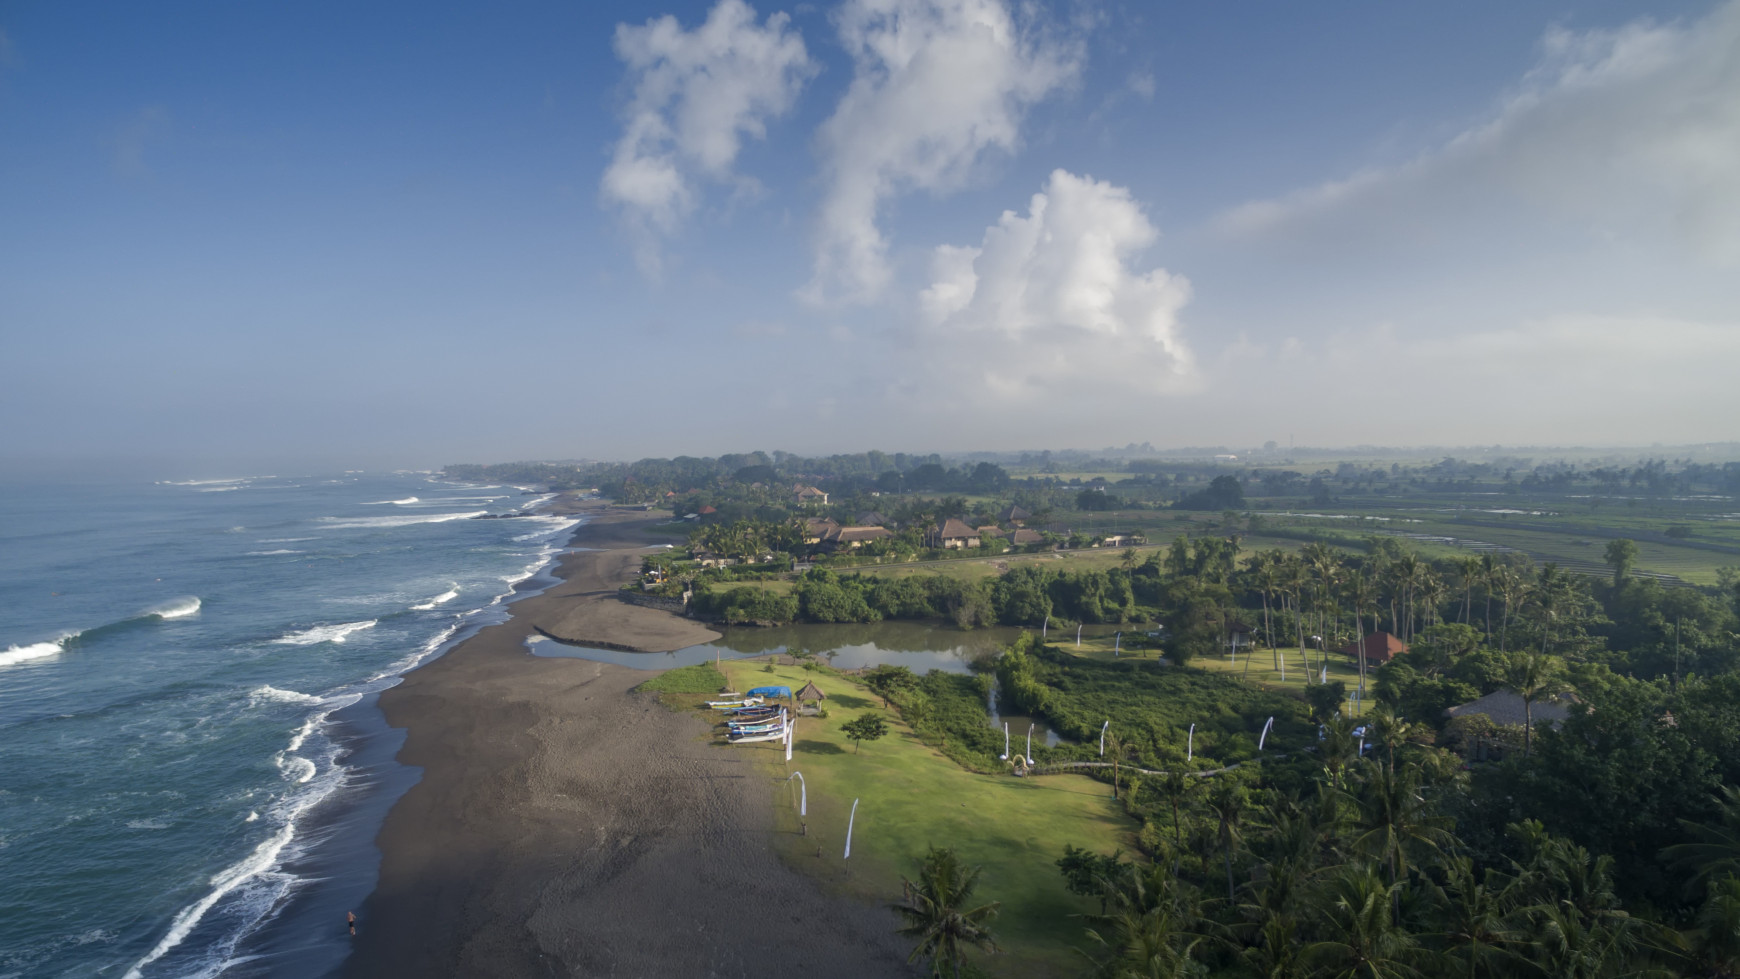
x=324 y=633
x=404 y=502
x=447 y=596
x=343 y=523
x=14 y=655
x=179 y=608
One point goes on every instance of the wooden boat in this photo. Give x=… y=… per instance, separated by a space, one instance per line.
x=773 y=735
x=757 y=725
x=731 y=704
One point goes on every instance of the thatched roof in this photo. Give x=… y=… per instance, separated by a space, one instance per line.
x=1505 y=707
x=811 y=692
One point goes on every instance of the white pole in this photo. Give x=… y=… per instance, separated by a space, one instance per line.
x=1030 y=744
x=1078 y=637
x=849 y=821
x=1103 y=727
x=1190 y=745
x=1117 y=644
x=1045 y=628
x=1005 y=754
x=1265 y=735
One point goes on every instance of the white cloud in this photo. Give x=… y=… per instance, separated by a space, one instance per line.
x=936 y=84
x=1630 y=132
x=1050 y=299
x=697 y=95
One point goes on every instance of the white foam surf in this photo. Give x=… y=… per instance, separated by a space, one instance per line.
x=272 y=553
x=271 y=694
x=283 y=540
x=404 y=502
x=347 y=523
x=179 y=608
x=14 y=655
x=551 y=525
x=324 y=633
x=264 y=857
x=447 y=596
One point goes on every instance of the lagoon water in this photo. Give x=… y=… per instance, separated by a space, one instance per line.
x=919 y=646
x=192 y=769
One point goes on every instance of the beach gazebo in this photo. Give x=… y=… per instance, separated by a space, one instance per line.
x=810 y=697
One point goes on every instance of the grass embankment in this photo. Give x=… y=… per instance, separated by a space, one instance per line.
x=911 y=797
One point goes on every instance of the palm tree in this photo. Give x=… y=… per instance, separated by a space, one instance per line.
x=1715 y=937
x=1362 y=940
x=1155 y=926
x=1392 y=817
x=1474 y=914
x=1228 y=802
x=1511 y=590
x=1488 y=575
x=1294 y=581
x=1468 y=570
x=1361 y=595
x=1716 y=847
x=1534 y=676
x=935 y=912
x=1178 y=789
x=1116 y=746
x=1268 y=579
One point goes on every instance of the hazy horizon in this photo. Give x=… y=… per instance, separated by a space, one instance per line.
x=318 y=237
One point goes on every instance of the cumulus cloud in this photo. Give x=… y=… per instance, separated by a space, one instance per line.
x=697 y=95
x=1628 y=132
x=1048 y=299
x=936 y=84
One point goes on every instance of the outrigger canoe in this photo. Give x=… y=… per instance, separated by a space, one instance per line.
x=729 y=704
x=746 y=738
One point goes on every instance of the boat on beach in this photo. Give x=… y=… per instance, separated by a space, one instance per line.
x=773 y=735
x=732 y=704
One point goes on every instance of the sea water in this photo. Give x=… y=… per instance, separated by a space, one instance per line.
x=192 y=767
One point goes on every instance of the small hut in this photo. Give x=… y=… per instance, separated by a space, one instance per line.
x=810 y=698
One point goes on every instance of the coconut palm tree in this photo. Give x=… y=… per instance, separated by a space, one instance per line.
x=1391 y=817
x=1474 y=912
x=1228 y=800
x=1362 y=595
x=1154 y=929
x=1715 y=850
x=1362 y=940
x=1468 y=569
x=935 y=912
x=1267 y=568
x=1714 y=940
x=1534 y=676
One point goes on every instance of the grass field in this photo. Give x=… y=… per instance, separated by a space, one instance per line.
x=911 y=797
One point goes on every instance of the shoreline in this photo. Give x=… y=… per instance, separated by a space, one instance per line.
x=564 y=825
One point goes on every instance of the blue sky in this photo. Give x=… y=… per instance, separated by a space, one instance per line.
x=412 y=234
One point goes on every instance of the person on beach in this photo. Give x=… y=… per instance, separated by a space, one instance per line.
x=350 y=919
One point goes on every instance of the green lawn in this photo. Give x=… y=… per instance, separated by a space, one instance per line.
x=1259 y=668
x=910 y=797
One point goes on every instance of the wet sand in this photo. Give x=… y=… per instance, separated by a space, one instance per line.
x=567 y=826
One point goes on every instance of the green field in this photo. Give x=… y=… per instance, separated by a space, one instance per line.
x=910 y=797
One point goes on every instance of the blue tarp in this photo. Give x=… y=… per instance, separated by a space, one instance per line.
x=771 y=692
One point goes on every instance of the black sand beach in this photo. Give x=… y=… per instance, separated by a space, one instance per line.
x=566 y=826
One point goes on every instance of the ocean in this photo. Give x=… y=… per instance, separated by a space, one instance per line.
x=192 y=764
